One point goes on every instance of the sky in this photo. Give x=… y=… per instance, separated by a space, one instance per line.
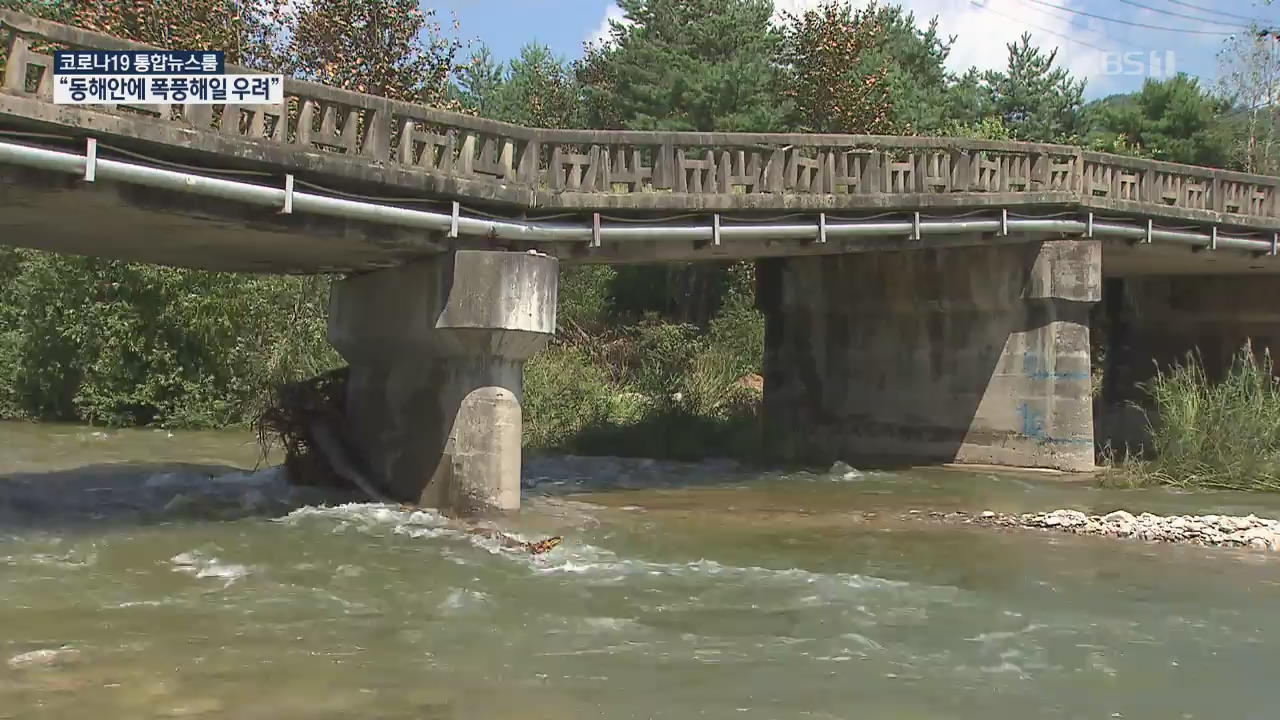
x=1111 y=49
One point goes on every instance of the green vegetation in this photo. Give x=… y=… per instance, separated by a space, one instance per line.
x=115 y=343
x=649 y=360
x=1173 y=120
x=654 y=389
x=1221 y=436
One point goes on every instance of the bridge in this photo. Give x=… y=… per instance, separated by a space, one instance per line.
x=926 y=299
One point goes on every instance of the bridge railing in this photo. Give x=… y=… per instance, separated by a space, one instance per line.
x=866 y=171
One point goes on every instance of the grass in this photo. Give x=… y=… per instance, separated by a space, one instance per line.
x=1209 y=435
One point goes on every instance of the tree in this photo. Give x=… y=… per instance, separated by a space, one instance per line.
x=917 y=77
x=1173 y=119
x=539 y=90
x=1037 y=101
x=245 y=31
x=120 y=343
x=833 y=80
x=703 y=65
x=372 y=46
x=478 y=82
x=62 y=11
x=1249 y=78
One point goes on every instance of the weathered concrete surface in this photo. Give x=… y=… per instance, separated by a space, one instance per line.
x=436 y=351
x=1163 y=318
x=52 y=211
x=971 y=355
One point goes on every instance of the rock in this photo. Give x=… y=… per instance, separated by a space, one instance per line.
x=987 y=514
x=1261 y=538
x=1119 y=516
x=181 y=503
x=844 y=470
x=1237 y=523
x=1065 y=518
x=1119 y=522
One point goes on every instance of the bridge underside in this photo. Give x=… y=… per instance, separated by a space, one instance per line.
x=53 y=211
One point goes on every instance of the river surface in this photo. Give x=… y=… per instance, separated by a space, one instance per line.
x=142 y=576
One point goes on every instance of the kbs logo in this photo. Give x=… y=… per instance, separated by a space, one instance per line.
x=1155 y=64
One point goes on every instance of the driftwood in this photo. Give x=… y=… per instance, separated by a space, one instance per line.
x=303 y=418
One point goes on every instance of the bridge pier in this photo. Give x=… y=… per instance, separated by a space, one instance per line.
x=436 y=352
x=973 y=355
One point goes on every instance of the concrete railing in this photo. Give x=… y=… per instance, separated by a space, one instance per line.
x=465 y=156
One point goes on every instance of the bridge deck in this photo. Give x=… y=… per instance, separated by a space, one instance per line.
x=584 y=195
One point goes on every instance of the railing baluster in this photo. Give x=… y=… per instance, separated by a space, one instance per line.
x=15 y=69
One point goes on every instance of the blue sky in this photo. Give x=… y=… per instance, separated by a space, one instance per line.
x=982 y=27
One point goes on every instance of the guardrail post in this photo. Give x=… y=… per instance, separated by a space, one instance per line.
x=91 y=160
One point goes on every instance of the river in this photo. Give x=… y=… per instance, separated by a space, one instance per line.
x=142 y=575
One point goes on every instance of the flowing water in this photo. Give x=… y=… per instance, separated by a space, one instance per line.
x=141 y=577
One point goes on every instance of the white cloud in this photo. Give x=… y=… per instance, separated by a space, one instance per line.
x=984 y=28
x=601 y=33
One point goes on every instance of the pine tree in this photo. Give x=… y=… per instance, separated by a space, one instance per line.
x=1173 y=119
x=539 y=90
x=478 y=83
x=706 y=65
x=1037 y=101
x=915 y=58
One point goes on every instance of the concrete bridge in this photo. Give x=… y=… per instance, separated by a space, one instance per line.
x=927 y=299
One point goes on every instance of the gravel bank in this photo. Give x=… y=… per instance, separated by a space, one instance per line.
x=1224 y=530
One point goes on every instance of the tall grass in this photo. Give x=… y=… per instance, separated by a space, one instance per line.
x=1213 y=435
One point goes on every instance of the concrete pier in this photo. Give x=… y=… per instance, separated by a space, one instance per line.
x=973 y=355
x=436 y=351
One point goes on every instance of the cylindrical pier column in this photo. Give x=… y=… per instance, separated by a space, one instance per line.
x=437 y=352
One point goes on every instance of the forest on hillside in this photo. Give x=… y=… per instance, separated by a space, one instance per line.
x=648 y=360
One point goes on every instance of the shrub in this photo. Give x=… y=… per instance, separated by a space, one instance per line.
x=124 y=344
x=584 y=296
x=563 y=394
x=1222 y=435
